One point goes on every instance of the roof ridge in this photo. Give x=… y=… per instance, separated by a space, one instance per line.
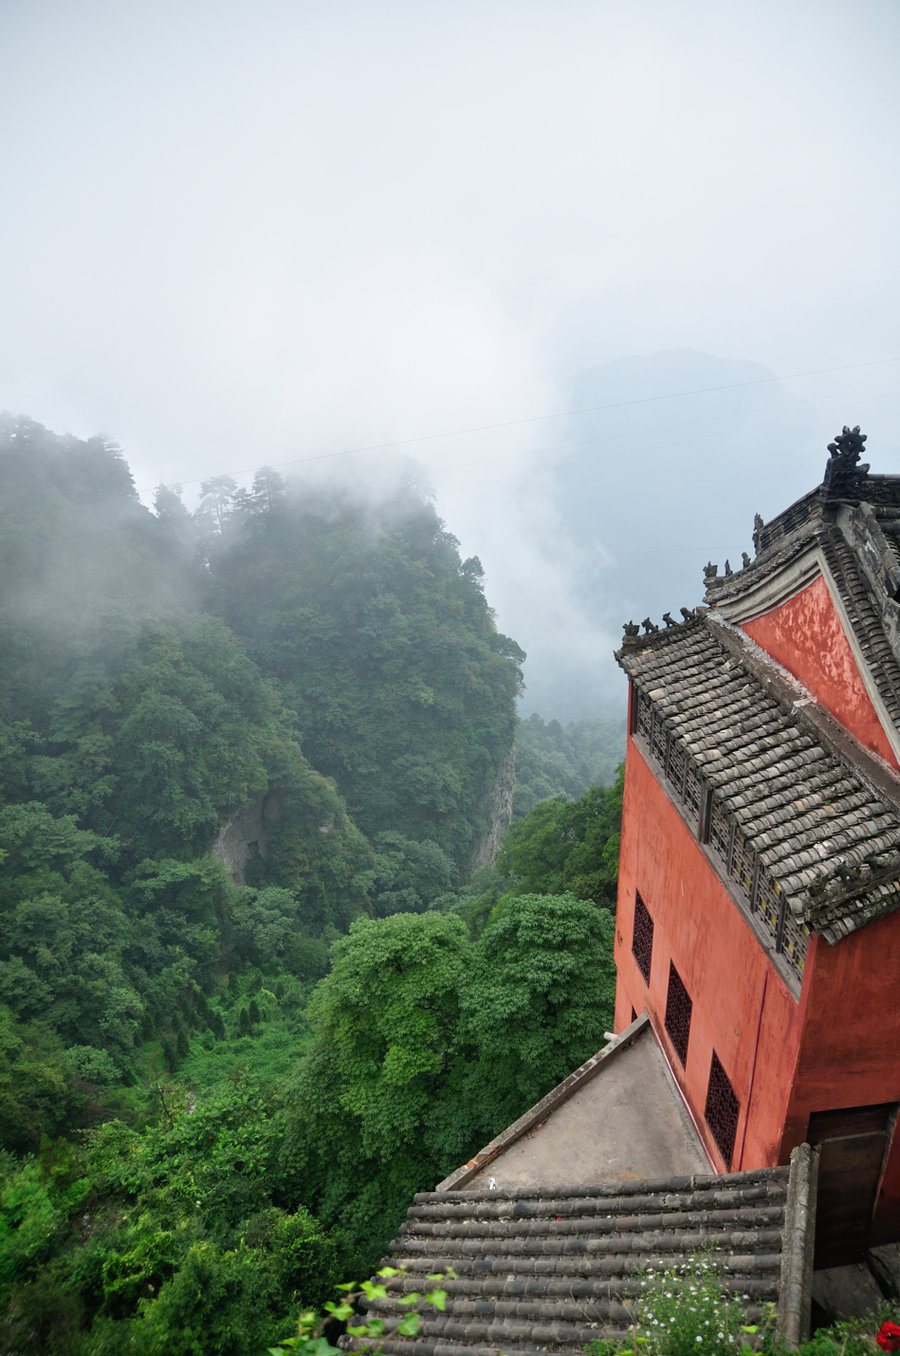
x=695 y=1181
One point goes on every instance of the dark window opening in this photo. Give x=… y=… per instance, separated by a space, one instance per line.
x=678 y=1014
x=722 y=1107
x=642 y=941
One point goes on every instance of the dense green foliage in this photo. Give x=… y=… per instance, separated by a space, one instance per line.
x=426 y=1044
x=568 y=845
x=555 y=760
x=227 y=739
x=167 y=1238
x=200 y=1229
x=380 y=640
x=155 y=666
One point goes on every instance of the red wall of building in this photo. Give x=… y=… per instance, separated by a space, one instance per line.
x=838 y=1047
x=806 y=636
x=741 y=1006
x=850 y=1047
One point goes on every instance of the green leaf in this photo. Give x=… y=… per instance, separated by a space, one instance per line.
x=373 y=1292
x=339 y=1311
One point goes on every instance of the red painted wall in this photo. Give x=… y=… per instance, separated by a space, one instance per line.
x=838 y=1047
x=850 y=1047
x=806 y=636
x=741 y=1006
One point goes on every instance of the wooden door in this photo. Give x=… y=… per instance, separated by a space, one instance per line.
x=853 y=1143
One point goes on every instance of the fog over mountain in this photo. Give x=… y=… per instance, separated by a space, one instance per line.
x=610 y=275
x=661 y=466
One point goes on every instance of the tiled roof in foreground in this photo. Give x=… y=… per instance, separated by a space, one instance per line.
x=817 y=810
x=536 y=1270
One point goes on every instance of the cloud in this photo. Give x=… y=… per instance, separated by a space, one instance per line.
x=235 y=235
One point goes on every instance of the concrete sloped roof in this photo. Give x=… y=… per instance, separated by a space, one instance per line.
x=618 y=1117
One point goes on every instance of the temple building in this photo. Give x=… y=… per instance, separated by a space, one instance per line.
x=746 y=1104
x=759 y=885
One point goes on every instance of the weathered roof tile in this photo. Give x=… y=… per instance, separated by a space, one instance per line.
x=818 y=824
x=527 y=1269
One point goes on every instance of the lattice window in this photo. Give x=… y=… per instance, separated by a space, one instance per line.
x=644 y=715
x=742 y=859
x=720 y=823
x=769 y=905
x=676 y=768
x=715 y=826
x=642 y=940
x=659 y=741
x=794 y=939
x=722 y=1108
x=693 y=788
x=678 y=1014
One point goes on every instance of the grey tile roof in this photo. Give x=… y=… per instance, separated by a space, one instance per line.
x=534 y=1270
x=865 y=605
x=820 y=813
x=858 y=534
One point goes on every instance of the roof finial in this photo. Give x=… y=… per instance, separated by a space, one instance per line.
x=843 y=475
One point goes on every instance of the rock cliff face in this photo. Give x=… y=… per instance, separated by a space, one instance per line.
x=245 y=834
x=498 y=805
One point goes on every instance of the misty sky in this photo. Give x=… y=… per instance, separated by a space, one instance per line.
x=238 y=234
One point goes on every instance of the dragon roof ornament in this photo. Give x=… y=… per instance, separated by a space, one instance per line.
x=844 y=476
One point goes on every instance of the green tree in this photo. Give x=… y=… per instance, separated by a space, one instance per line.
x=407 y=876
x=382 y=641
x=565 y=845
x=425 y=1045
x=38 y=1096
x=535 y=1001
x=364 y=1129
x=556 y=760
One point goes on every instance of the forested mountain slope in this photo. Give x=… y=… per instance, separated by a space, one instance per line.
x=163 y=670
x=380 y=639
x=325 y=675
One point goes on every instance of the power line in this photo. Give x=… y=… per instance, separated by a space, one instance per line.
x=562 y=414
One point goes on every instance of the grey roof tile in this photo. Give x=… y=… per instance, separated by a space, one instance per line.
x=821 y=829
x=531 y=1268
